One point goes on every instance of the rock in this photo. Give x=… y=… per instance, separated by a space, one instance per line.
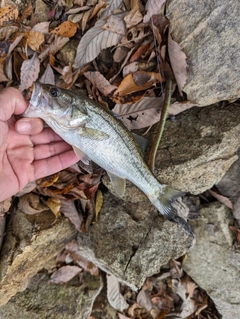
x=229 y=187
x=207 y=33
x=132 y=241
x=209 y=264
x=198 y=148
x=32 y=243
x=44 y=299
x=41 y=11
x=66 y=54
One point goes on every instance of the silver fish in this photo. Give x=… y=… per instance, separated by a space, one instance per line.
x=96 y=134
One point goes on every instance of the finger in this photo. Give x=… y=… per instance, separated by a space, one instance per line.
x=46 y=136
x=51 y=165
x=29 y=126
x=11 y=102
x=48 y=150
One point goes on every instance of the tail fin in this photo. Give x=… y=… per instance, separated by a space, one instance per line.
x=164 y=205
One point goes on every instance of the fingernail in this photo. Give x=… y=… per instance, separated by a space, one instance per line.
x=23 y=127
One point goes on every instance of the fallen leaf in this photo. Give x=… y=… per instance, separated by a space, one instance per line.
x=69 y=210
x=178 y=107
x=122 y=316
x=34 y=39
x=111 y=6
x=54 y=205
x=3 y=77
x=153 y=7
x=48 y=76
x=91 y=44
x=115 y=298
x=115 y=23
x=8 y=14
x=138 y=81
x=144 y=113
x=48 y=180
x=28 y=10
x=5 y=32
x=65 y=29
x=29 y=72
x=144 y=299
x=99 y=81
x=178 y=62
x=222 y=199
x=30 y=204
x=54 y=47
x=99 y=203
x=41 y=27
x=64 y=274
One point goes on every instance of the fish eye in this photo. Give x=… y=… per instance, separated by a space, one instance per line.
x=55 y=92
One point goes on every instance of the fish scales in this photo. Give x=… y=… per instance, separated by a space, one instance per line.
x=97 y=135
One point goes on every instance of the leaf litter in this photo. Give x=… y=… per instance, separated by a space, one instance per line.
x=121 y=55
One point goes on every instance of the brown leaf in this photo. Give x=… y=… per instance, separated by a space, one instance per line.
x=34 y=39
x=30 y=204
x=153 y=7
x=48 y=180
x=29 y=72
x=28 y=10
x=64 y=274
x=4 y=206
x=8 y=14
x=3 y=77
x=5 y=32
x=48 y=76
x=65 y=29
x=99 y=81
x=69 y=210
x=115 y=23
x=138 y=81
x=145 y=112
x=223 y=199
x=55 y=205
x=133 y=17
x=115 y=298
x=178 y=62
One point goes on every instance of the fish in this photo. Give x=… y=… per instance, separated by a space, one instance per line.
x=97 y=135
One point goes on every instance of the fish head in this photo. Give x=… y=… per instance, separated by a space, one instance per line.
x=49 y=101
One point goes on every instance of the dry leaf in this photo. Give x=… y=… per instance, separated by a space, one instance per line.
x=91 y=44
x=138 y=81
x=54 y=47
x=55 y=205
x=133 y=17
x=27 y=11
x=178 y=107
x=3 y=77
x=65 y=29
x=34 y=39
x=64 y=274
x=122 y=316
x=178 y=62
x=153 y=7
x=144 y=113
x=8 y=14
x=111 y=6
x=99 y=81
x=115 y=298
x=69 y=210
x=115 y=23
x=223 y=199
x=30 y=204
x=144 y=300
x=99 y=203
x=41 y=27
x=48 y=76
x=29 y=72
x=5 y=32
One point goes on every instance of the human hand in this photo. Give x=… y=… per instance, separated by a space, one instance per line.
x=27 y=150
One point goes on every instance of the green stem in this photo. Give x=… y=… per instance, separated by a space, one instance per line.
x=161 y=125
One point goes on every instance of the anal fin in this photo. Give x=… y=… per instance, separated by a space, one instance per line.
x=119 y=184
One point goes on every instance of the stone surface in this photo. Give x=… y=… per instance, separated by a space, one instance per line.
x=208 y=33
x=229 y=186
x=198 y=148
x=132 y=241
x=209 y=264
x=31 y=244
x=44 y=299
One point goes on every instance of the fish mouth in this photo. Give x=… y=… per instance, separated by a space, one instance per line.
x=38 y=100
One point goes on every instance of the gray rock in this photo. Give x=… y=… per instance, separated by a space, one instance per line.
x=132 y=241
x=44 y=299
x=198 y=147
x=209 y=264
x=208 y=33
x=31 y=244
x=229 y=186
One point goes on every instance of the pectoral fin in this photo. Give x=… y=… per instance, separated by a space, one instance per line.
x=93 y=134
x=83 y=157
x=119 y=184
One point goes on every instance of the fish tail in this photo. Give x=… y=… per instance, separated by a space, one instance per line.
x=164 y=205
